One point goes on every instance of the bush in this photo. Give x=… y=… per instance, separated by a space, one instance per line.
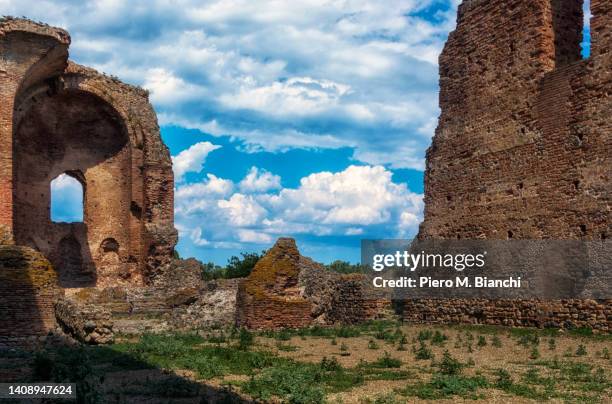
x=482 y=341
x=581 y=351
x=344 y=267
x=450 y=365
x=245 y=339
x=535 y=353
x=423 y=353
x=496 y=342
x=438 y=338
x=387 y=362
x=237 y=267
x=504 y=380
x=330 y=365
x=424 y=335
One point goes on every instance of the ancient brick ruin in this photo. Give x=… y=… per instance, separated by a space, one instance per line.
x=523 y=149
x=288 y=290
x=523 y=145
x=57 y=117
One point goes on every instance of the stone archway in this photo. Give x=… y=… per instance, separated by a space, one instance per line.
x=76 y=133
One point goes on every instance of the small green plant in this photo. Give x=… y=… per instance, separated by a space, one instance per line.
x=504 y=380
x=581 y=350
x=402 y=343
x=372 y=344
x=330 y=365
x=245 y=339
x=386 y=361
x=423 y=353
x=605 y=353
x=496 y=342
x=424 y=335
x=568 y=353
x=482 y=341
x=344 y=350
x=449 y=365
x=535 y=353
x=438 y=338
x=552 y=344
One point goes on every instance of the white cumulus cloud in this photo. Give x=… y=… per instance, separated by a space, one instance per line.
x=192 y=159
x=258 y=180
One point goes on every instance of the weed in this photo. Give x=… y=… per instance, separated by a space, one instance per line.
x=372 y=344
x=552 y=344
x=535 y=353
x=386 y=361
x=438 y=338
x=442 y=386
x=334 y=341
x=423 y=353
x=482 y=341
x=245 y=339
x=425 y=335
x=330 y=365
x=449 y=365
x=605 y=353
x=496 y=342
x=581 y=350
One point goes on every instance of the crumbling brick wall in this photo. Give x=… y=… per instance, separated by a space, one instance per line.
x=523 y=147
x=287 y=290
x=58 y=117
x=28 y=291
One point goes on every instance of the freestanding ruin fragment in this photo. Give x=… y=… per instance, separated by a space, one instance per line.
x=523 y=148
x=57 y=117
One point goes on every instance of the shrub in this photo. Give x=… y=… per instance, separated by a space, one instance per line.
x=482 y=341
x=450 y=365
x=535 y=353
x=581 y=350
x=423 y=353
x=372 y=344
x=386 y=361
x=438 y=338
x=424 y=335
x=496 y=342
x=605 y=353
x=504 y=380
x=330 y=365
x=245 y=339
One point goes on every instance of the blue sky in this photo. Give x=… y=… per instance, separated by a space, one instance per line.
x=302 y=118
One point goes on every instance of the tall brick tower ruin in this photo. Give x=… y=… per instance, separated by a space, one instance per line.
x=523 y=148
x=57 y=117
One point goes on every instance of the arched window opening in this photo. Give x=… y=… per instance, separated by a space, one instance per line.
x=585 y=46
x=67 y=199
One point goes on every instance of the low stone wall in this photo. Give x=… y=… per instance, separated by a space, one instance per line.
x=88 y=323
x=28 y=292
x=214 y=307
x=516 y=313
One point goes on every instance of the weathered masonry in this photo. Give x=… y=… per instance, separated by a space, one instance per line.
x=57 y=117
x=523 y=148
